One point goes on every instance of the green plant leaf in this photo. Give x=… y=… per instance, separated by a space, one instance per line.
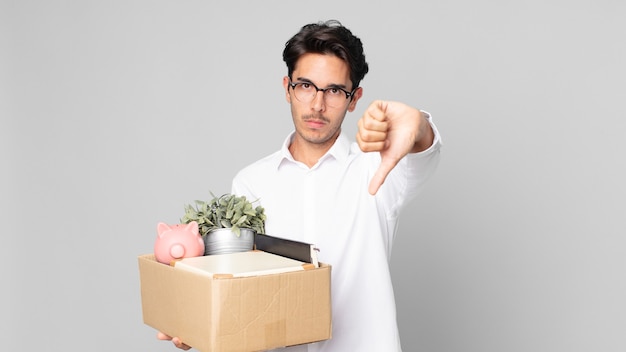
x=242 y=220
x=225 y=211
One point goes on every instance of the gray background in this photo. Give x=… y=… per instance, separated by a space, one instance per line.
x=117 y=113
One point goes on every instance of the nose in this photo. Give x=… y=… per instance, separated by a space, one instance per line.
x=318 y=104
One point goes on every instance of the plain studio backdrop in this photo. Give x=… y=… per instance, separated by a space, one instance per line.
x=117 y=113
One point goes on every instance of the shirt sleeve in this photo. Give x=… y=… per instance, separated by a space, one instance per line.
x=408 y=178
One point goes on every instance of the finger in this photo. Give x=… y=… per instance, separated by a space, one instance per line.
x=370 y=141
x=162 y=336
x=371 y=134
x=178 y=343
x=372 y=123
x=378 y=110
x=367 y=147
x=379 y=177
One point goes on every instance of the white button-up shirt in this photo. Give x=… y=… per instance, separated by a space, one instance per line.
x=329 y=205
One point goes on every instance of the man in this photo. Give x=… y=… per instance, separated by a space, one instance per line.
x=322 y=189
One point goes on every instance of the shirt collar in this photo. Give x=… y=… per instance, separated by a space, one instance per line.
x=339 y=151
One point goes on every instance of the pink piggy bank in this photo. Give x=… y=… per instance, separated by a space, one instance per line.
x=177 y=241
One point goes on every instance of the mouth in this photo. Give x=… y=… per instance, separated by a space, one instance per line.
x=315 y=122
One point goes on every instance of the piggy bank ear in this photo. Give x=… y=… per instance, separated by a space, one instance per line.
x=162 y=228
x=193 y=228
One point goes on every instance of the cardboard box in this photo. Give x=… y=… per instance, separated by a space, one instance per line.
x=236 y=314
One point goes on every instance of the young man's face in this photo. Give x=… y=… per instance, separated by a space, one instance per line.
x=316 y=121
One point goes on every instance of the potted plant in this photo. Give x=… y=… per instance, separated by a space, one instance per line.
x=227 y=223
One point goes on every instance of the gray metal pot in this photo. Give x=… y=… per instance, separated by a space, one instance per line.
x=223 y=241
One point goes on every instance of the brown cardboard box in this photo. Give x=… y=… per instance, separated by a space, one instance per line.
x=236 y=314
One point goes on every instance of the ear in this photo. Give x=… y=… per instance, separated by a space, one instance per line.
x=162 y=228
x=358 y=93
x=286 y=86
x=193 y=227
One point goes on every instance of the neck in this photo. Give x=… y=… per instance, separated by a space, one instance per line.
x=309 y=153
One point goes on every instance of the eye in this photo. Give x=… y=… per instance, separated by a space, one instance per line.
x=334 y=91
x=305 y=85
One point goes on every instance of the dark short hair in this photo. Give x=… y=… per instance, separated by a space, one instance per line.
x=329 y=37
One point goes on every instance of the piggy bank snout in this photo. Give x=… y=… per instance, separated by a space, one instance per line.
x=177 y=251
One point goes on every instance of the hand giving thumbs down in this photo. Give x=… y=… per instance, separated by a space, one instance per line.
x=394 y=129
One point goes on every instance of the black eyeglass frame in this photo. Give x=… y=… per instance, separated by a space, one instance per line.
x=349 y=95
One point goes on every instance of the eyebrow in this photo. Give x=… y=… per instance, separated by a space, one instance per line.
x=332 y=85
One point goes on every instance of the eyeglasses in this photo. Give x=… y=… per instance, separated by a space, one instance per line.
x=334 y=97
